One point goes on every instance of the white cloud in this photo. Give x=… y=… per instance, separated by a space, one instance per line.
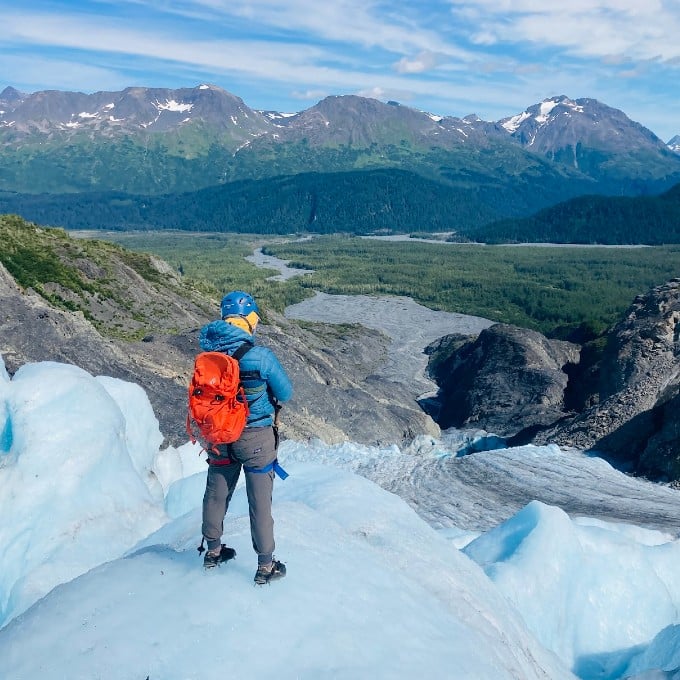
x=362 y=23
x=425 y=61
x=254 y=60
x=581 y=27
x=309 y=94
x=387 y=94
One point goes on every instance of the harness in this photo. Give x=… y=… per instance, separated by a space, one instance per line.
x=274 y=465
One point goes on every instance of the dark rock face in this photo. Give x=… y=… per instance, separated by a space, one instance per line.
x=508 y=380
x=621 y=401
x=634 y=419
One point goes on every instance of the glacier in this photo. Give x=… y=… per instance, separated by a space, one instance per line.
x=397 y=566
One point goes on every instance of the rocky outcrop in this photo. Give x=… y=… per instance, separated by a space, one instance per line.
x=634 y=419
x=508 y=380
x=339 y=394
x=32 y=330
x=618 y=397
x=341 y=391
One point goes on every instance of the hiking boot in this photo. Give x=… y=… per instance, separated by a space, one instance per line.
x=214 y=558
x=269 y=572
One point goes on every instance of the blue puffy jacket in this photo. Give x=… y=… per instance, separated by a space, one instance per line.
x=263 y=377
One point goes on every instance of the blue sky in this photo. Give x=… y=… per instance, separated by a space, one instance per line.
x=450 y=57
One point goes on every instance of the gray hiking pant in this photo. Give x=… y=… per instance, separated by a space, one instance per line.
x=256 y=448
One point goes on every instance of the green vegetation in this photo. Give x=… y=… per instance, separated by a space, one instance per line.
x=195 y=157
x=566 y=292
x=358 y=202
x=215 y=264
x=651 y=220
x=569 y=292
x=557 y=290
x=488 y=206
x=82 y=275
x=34 y=261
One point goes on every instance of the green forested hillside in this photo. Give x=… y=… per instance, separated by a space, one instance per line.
x=651 y=220
x=355 y=202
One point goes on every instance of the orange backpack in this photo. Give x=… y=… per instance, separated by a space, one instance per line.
x=218 y=408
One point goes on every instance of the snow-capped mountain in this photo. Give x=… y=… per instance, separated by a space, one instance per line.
x=160 y=141
x=135 y=109
x=360 y=121
x=560 y=123
x=674 y=144
x=546 y=127
x=347 y=119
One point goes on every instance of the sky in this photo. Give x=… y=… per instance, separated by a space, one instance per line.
x=493 y=58
x=100 y=578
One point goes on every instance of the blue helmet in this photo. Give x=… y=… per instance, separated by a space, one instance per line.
x=238 y=303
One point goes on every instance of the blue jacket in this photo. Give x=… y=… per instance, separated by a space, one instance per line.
x=263 y=377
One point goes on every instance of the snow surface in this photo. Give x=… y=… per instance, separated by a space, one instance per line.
x=513 y=123
x=99 y=576
x=172 y=105
x=545 y=108
x=543 y=115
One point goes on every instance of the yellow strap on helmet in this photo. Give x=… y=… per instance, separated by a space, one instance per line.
x=247 y=323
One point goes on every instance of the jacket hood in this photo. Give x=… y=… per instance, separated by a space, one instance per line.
x=220 y=336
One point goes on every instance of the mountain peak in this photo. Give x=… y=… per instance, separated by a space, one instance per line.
x=542 y=113
x=560 y=123
x=10 y=94
x=133 y=110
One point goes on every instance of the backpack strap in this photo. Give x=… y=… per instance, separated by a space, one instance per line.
x=252 y=392
x=245 y=375
x=242 y=350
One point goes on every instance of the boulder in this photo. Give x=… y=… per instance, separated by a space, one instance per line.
x=508 y=380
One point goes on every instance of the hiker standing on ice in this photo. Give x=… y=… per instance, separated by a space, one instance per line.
x=265 y=383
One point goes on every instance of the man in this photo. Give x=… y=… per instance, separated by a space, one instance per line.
x=266 y=384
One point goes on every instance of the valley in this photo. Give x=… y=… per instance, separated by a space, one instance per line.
x=558 y=290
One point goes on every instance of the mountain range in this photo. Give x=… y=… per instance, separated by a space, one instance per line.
x=146 y=142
